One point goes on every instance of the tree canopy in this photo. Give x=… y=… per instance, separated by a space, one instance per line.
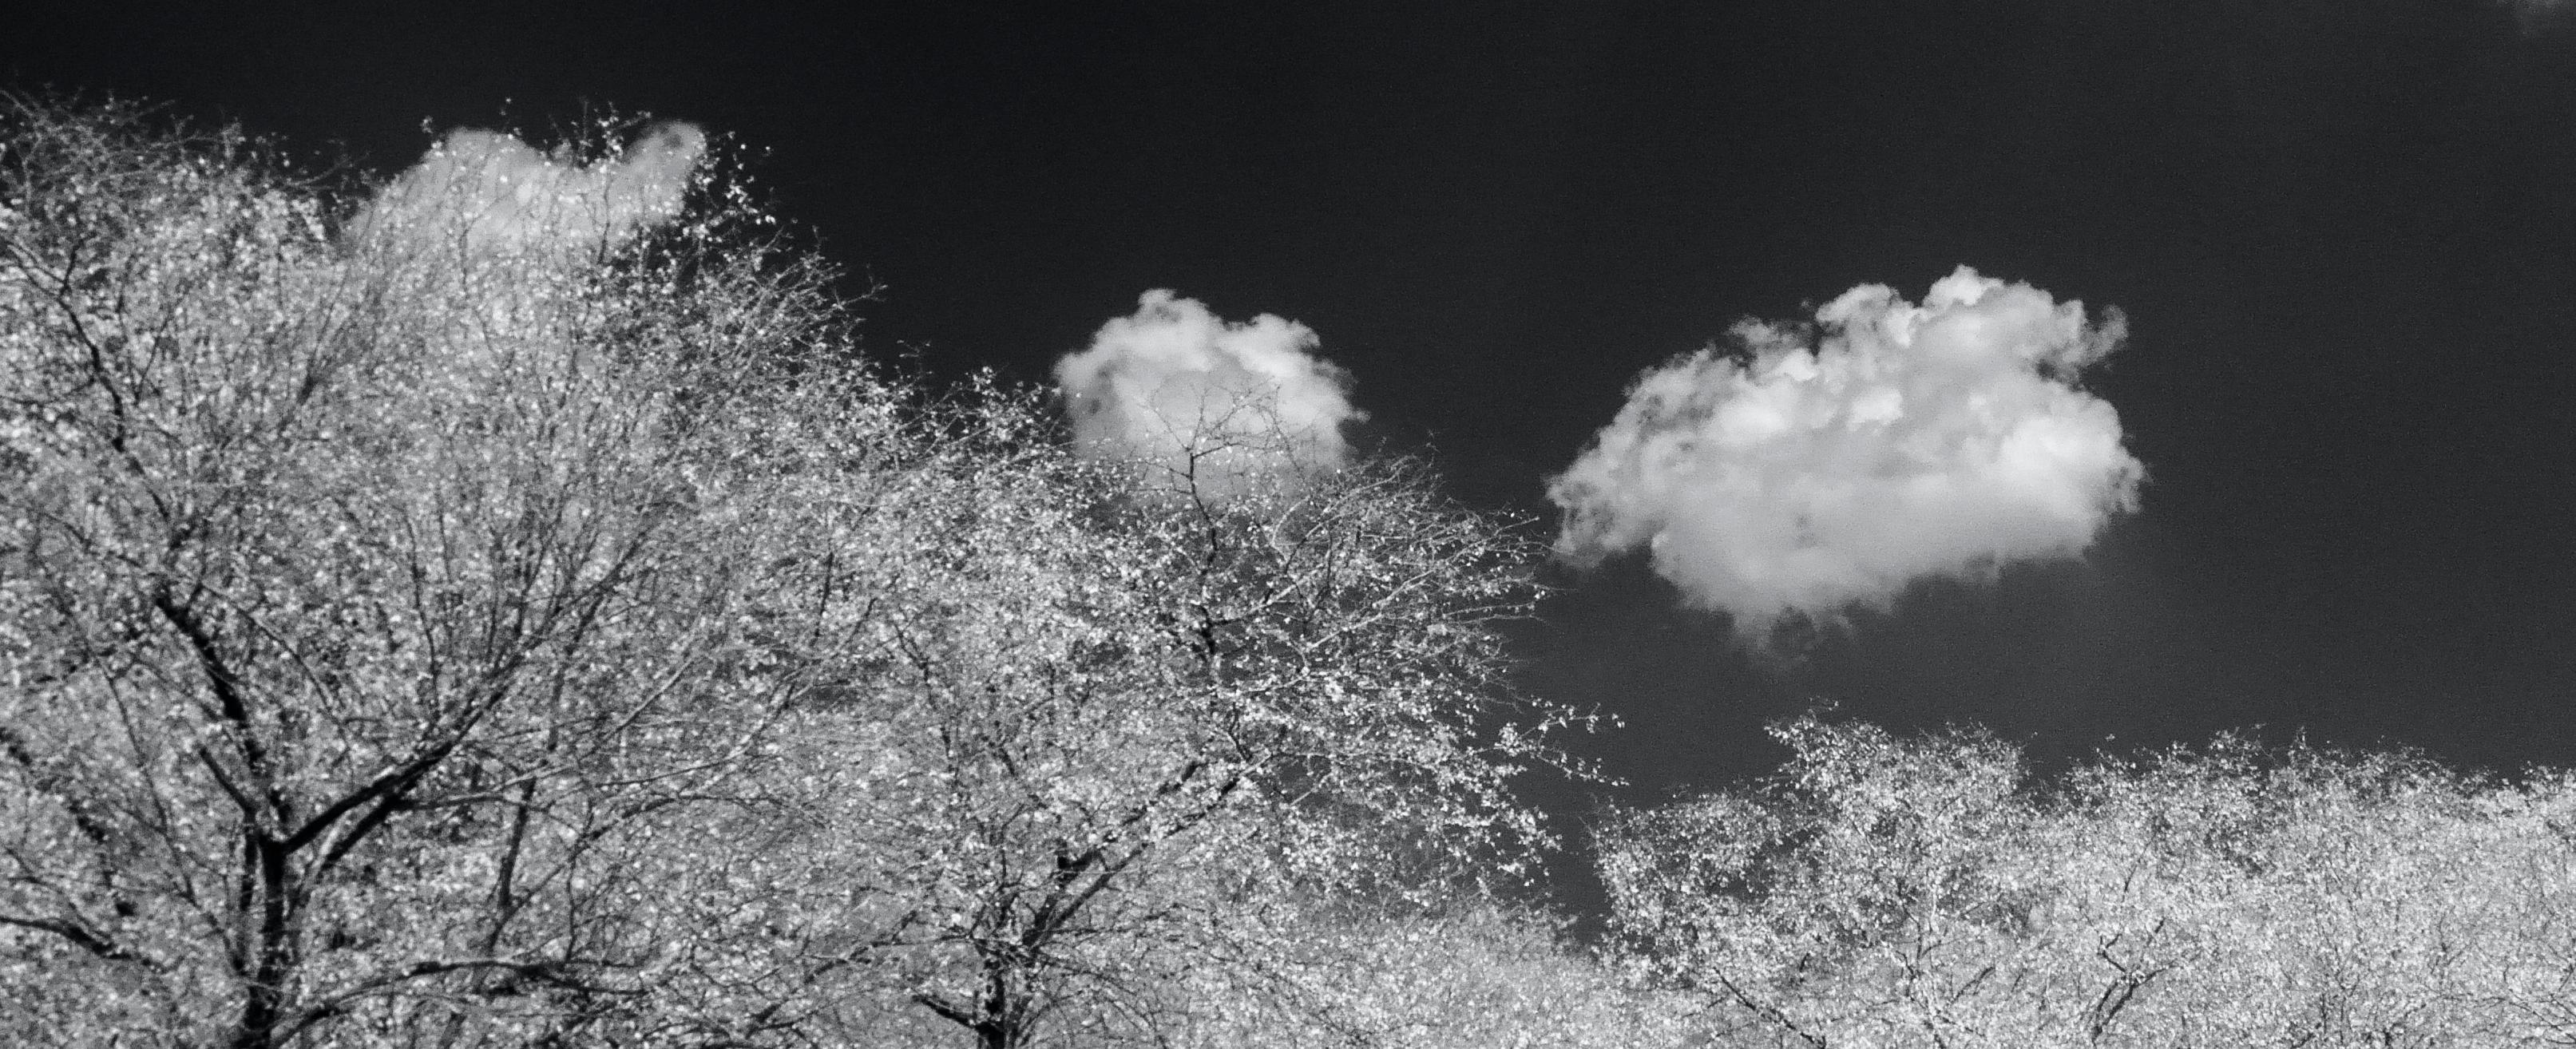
x=433 y=625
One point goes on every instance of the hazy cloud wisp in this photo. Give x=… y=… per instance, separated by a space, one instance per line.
x=487 y=191
x=1828 y=467
x=1206 y=401
x=2537 y=15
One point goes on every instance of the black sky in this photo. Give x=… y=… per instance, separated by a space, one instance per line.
x=2344 y=232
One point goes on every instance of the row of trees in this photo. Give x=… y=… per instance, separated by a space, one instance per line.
x=1880 y=891
x=485 y=622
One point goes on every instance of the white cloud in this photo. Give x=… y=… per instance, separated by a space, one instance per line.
x=1206 y=401
x=1825 y=468
x=487 y=191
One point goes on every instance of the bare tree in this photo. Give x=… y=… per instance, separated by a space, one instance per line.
x=375 y=622
x=1134 y=737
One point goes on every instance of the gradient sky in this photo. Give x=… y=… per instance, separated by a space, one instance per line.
x=2343 y=231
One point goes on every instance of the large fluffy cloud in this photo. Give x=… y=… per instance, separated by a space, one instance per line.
x=487 y=191
x=1829 y=466
x=1205 y=403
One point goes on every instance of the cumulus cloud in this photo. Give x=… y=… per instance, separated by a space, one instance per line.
x=1828 y=466
x=487 y=191
x=1207 y=402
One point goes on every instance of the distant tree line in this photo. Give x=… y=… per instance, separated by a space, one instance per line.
x=412 y=635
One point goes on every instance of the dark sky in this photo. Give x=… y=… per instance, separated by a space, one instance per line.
x=2344 y=232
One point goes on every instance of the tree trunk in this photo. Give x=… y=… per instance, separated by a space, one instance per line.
x=273 y=948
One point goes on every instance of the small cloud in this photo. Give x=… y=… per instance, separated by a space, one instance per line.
x=487 y=191
x=1211 y=405
x=2537 y=15
x=1828 y=467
